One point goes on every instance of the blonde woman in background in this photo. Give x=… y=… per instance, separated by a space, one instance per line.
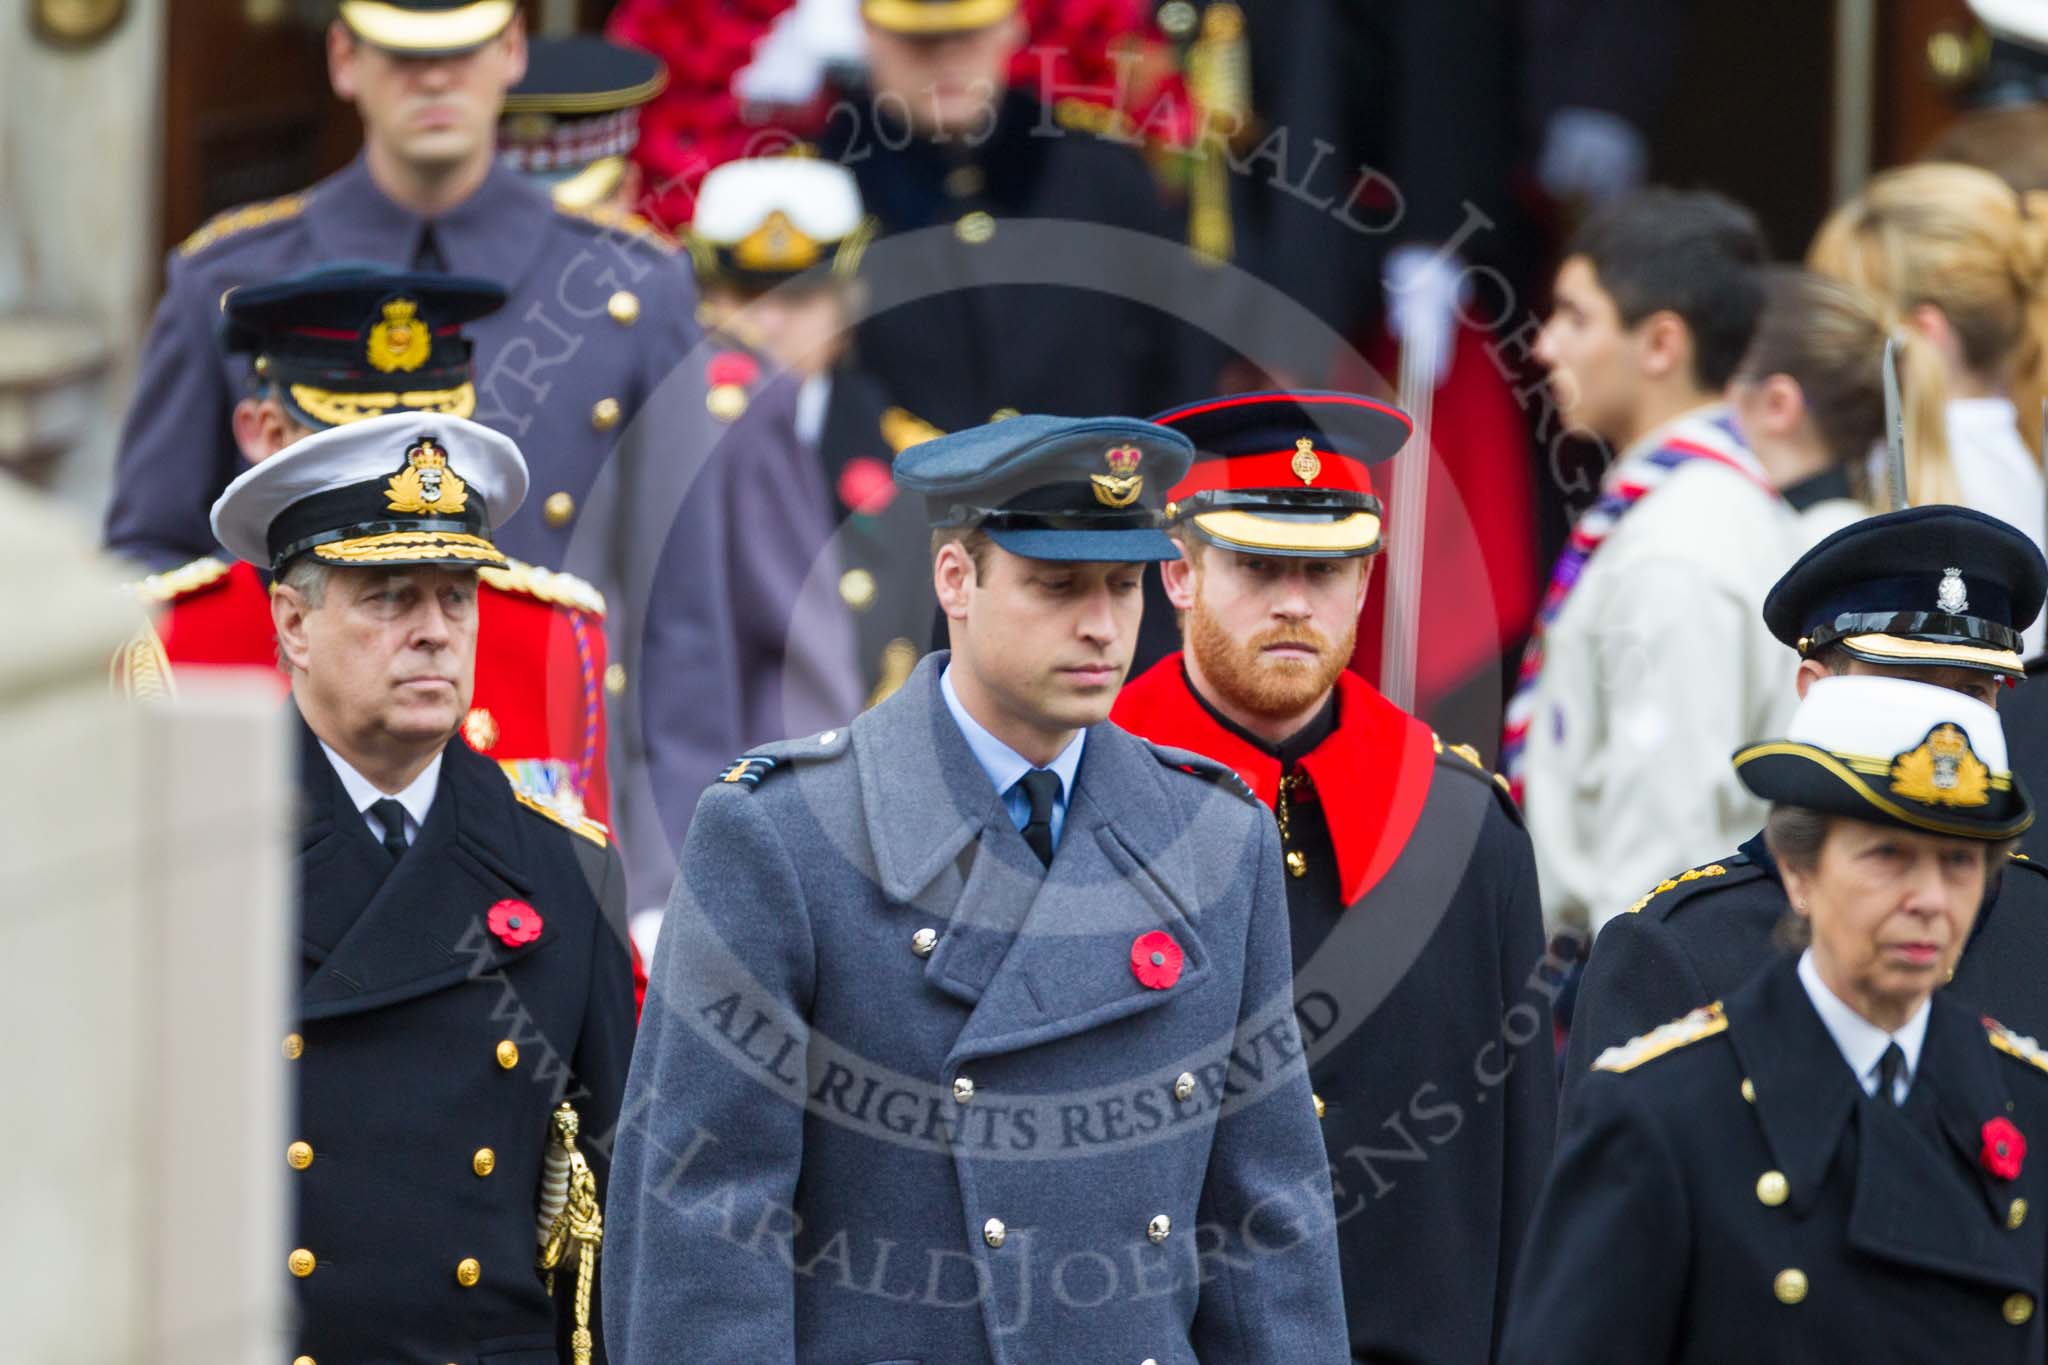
x=1955 y=255
x=1809 y=397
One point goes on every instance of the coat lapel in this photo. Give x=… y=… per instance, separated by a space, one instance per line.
x=340 y=866
x=1067 y=967
x=424 y=927
x=1805 y=1093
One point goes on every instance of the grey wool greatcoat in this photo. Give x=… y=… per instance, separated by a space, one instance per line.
x=900 y=1094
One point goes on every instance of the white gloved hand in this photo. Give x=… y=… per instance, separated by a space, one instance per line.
x=1591 y=154
x=1424 y=289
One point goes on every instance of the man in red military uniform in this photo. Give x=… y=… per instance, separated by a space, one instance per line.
x=1419 y=969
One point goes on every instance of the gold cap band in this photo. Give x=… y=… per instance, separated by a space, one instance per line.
x=935 y=16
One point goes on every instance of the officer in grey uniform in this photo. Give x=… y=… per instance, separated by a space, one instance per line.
x=654 y=457
x=970 y=1035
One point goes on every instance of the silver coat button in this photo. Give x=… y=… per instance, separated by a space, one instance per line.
x=1184 y=1086
x=963 y=1089
x=923 y=941
x=993 y=1232
x=1158 y=1227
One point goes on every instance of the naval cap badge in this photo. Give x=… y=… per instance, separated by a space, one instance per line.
x=426 y=484
x=1951 y=596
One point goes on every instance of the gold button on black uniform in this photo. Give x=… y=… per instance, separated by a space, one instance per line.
x=301 y=1262
x=468 y=1272
x=294 y=1047
x=299 y=1155
x=508 y=1054
x=976 y=228
x=484 y=1162
x=1790 y=1286
x=2019 y=1309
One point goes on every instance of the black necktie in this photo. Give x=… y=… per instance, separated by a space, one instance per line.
x=1888 y=1068
x=1042 y=786
x=391 y=815
x=428 y=259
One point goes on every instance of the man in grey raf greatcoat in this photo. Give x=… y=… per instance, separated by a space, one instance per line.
x=970 y=1034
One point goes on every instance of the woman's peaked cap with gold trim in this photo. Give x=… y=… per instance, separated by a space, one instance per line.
x=410 y=488
x=1893 y=752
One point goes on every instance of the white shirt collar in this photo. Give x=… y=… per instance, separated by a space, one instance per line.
x=813 y=399
x=1003 y=764
x=1862 y=1043
x=417 y=798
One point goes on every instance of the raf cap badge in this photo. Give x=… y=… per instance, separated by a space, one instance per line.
x=426 y=484
x=1121 y=486
x=1951 y=596
x=1942 y=771
x=401 y=341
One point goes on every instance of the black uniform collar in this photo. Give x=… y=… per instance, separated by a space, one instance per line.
x=1289 y=751
x=1831 y=483
x=498 y=232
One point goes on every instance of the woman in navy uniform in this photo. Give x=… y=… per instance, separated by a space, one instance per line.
x=1931 y=594
x=460 y=982
x=1830 y=1163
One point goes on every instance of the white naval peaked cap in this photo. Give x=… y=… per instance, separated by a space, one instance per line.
x=820 y=199
x=405 y=488
x=1877 y=717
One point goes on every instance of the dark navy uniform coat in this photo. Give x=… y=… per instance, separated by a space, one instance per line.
x=956 y=332
x=1422 y=987
x=1693 y=943
x=904 y=1094
x=883 y=544
x=428 y=1058
x=1687 y=1223
x=596 y=366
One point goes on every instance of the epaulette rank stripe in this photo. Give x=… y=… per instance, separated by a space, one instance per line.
x=547 y=585
x=1470 y=755
x=2015 y=1045
x=1703 y=1022
x=248 y=216
x=618 y=220
x=749 y=771
x=1673 y=883
x=902 y=429
x=594 y=830
x=175 y=583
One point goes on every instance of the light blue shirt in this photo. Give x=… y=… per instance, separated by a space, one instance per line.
x=1005 y=766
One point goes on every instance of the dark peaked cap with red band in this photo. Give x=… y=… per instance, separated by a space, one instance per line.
x=1285 y=473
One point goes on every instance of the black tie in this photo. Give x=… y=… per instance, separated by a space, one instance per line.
x=428 y=259
x=1888 y=1068
x=391 y=815
x=1042 y=786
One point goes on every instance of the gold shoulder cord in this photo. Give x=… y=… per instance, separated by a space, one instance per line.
x=570 y=1217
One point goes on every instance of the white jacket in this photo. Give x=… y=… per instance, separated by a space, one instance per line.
x=1658 y=668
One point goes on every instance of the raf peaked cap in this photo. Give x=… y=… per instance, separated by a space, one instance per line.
x=1939 y=586
x=576 y=116
x=1285 y=473
x=409 y=488
x=427 y=28
x=1069 y=488
x=344 y=342
x=1893 y=752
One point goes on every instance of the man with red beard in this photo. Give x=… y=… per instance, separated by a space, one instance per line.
x=1421 y=981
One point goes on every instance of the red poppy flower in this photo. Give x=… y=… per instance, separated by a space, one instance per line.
x=866 y=485
x=514 y=922
x=733 y=367
x=2005 y=1147
x=1156 y=960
